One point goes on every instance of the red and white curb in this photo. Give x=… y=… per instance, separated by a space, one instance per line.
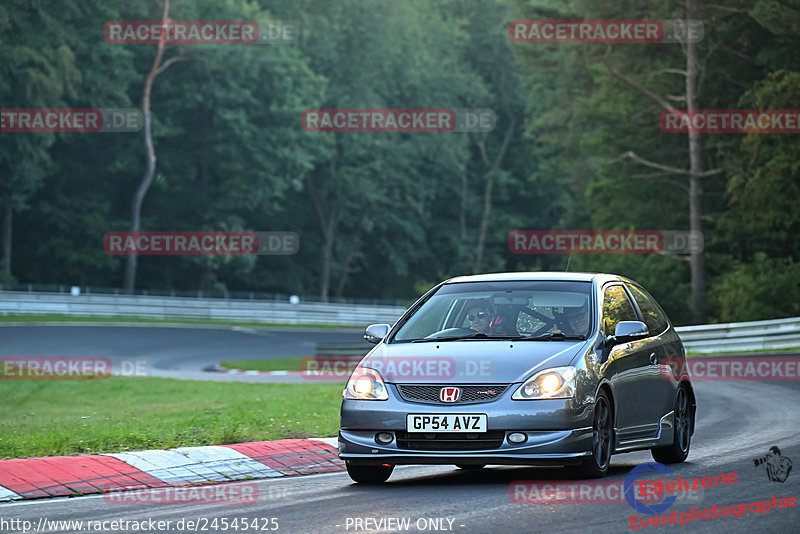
x=57 y=476
x=320 y=375
x=8 y=495
x=220 y=369
x=275 y=373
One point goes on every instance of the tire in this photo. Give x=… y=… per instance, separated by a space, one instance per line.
x=682 y=438
x=470 y=467
x=369 y=474
x=596 y=464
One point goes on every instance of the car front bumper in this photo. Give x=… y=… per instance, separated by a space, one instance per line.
x=558 y=431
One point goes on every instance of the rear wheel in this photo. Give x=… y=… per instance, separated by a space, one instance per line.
x=679 y=450
x=596 y=464
x=369 y=474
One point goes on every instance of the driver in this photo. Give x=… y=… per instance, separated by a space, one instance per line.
x=574 y=321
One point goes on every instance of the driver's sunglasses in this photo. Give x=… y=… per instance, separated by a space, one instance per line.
x=480 y=315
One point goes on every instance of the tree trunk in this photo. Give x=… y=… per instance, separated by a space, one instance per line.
x=484 y=224
x=150 y=160
x=129 y=281
x=695 y=172
x=351 y=250
x=697 y=257
x=141 y=191
x=328 y=223
x=347 y=259
x=326 y=259
x=491 y=167
x=462 y=212
x=5 y=263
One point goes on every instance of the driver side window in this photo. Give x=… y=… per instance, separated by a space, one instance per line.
x=616 y=308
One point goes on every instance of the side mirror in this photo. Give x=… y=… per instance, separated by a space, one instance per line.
x=375 y=333
x=628 y=331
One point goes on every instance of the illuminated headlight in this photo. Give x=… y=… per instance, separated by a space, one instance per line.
x=556 y=383
x=365 y=384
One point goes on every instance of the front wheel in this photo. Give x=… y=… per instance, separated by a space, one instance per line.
x=679 y=450
x=596 y=464
x=369 y=474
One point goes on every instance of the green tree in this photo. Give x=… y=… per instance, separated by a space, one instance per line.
x=38 y=71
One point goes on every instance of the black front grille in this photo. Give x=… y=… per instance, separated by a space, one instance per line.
x=449 y=441
x=469 y=394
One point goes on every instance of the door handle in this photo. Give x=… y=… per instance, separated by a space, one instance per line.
x=653 y=359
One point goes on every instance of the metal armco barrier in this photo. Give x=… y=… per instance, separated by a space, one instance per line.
x=742 y=337
x=197 y=308
x=754 y=335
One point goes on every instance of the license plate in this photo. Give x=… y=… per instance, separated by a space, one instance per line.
x=432 y=422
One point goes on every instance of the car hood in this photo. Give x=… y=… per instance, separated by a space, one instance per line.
x=469 y=362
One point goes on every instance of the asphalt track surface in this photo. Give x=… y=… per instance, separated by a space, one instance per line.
x=736 y=422
x=174 y=352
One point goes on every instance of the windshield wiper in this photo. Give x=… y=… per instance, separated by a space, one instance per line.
x=476 y=335
x=554 y=336
x=550 y=336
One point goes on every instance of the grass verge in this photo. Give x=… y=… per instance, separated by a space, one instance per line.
x=62 y=417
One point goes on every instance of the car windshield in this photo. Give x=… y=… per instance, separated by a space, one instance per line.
x=519 y=310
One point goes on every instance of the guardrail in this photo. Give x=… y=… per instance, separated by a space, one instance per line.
x=735 y=337
x=17 y=302
x=193 y=293
x=753 y=335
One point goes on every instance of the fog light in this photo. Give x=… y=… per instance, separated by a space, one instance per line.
x=517 y=437
x=384 y=438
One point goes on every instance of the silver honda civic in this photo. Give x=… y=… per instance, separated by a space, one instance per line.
x=519 y=369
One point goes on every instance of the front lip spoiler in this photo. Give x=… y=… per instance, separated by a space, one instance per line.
x=559 y=447
x=544 y=460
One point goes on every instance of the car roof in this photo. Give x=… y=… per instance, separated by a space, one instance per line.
x=538 y=275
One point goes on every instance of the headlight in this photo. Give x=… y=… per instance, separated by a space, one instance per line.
x=365 y=384
x=556 y=383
